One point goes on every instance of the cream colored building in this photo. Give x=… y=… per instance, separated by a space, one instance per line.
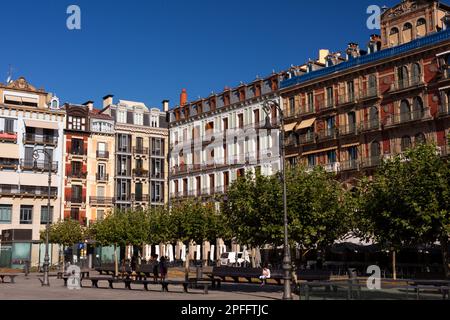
x=30 y=120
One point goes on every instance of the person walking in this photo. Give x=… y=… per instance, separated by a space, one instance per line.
x=154 y=261
x=163 y=268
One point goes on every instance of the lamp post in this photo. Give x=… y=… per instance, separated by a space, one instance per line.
x=46 y=282
x=287 y=264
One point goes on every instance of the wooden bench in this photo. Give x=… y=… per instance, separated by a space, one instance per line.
x=165 y=285
x=222 y=274
x=12 y=277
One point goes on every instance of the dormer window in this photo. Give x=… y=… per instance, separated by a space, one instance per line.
x=139 y=119
x=121 y=116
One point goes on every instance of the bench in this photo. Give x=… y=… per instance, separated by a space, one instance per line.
x=221 y=274
x=11 y=277
x=348 y=285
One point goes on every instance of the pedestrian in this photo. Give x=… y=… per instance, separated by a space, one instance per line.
x=163 y=268
x=154 y=261
x=265 y=275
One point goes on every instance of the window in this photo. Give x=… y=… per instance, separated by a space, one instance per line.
x=100 y=215
x=421 y=28
x=77 y=194
x=26 y=214
x=101 y=171
x=77 y=123
x=351 y=117
x=420 y=139
x=157 y=192
x=350 y=91
x=374 y=117
x=406 y=143
x=353 y=153
x=45 y=216
x=418 y=110
x=157 y=147
x=100 y=191
x=139 y=119
x=123 y=143
x=310 y=102
x=415 y=74
x=5 y=214
x=405 y=111
x=77 y=146
x=157 y=171
x=76 y=168
x=9 y=125
x=121 y=116
x=330 y=101
x=394 y=37
x=375 y=150
x=403 y=77
x=407 y=32
x=311 y=160
x=331 y=155
x=292 y=106
x=372 y=85
x=75 y=214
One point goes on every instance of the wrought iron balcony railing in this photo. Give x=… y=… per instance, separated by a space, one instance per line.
x=101 y=201
x=102 y=177
x=102 y=154
x=33 y=165
x=140 y=151
x=32 y=138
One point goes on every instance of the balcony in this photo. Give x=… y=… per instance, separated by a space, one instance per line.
x=9 y=164
x=307 y=109
x=102 y=154
x=78 y=152
x=77 y=175
x=140 y=151
x=347 y=130
x=140 y=174
x=102 y=177
x=8 y=137
x=123 y=198
x=371 y=162
x=309 y=137
x=327 y=134
x=369 y=93
x=325 y=105
x=346 y=99
x=101 y=201
x=76 y=200
x=43 y=166
x=157 y=175
x=140 y=197
x=408 y=117
x=444 y=110
x=32 y=138
x=27 y=191
x=370 y=125
x=406 y=84
x=349 y=165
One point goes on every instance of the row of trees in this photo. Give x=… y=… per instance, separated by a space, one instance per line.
x=407 y=202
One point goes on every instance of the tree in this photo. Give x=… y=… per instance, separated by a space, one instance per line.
x=317 y=208
x=408 y=202
x=65 y=233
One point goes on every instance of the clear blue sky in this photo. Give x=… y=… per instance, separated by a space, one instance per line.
x=148 y=50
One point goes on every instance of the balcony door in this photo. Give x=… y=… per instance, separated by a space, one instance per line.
x=138 y=191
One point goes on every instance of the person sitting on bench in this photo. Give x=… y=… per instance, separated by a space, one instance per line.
x=265 y=275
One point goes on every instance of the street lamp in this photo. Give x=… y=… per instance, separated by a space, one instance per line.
x=287 y=265
x=46 y=282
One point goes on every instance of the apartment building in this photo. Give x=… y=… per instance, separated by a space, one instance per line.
x=100 y=166
x=141 y=135
x=215 y=140
x=31 y=146
x=362 y=106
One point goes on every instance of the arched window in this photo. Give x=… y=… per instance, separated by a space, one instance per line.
x=403 y=77
x=394 y=37
x=415 y=74
x=407 y=32
x=406 y=143
x=373 y=118
x=421 y=28
x=405 y=111
x=420 y=139
x=375 y=150
x=418 y=110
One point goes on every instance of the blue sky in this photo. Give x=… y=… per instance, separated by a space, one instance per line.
x=148 y=50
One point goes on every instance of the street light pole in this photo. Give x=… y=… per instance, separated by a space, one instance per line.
x=287 y=262
x=46 y=281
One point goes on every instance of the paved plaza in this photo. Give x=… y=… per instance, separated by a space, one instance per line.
x=29 y=288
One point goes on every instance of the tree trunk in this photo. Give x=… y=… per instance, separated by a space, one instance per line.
x=253 y=258
x=445 y=258
x=187 y=262
x=394 y=264
x=63 y=261
x=116 y=262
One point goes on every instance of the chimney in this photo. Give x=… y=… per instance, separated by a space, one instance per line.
x=183 y=97
x=165 y=104
x=89 y=104
x=323 y=55
x=107 y=100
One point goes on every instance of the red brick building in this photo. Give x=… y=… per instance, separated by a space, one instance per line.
x=76 y=137
x=361 y=106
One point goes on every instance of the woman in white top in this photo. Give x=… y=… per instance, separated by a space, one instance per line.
x=265 y=275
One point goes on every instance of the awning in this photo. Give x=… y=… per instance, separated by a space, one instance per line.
x=30 y=100
x=290 y=127
x=41 y=124
x=318 y=151
x=306 y=124
x=351 y=145
x=9 y=151
x=13 y=98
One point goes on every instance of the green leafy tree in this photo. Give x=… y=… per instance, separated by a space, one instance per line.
x=408 y=202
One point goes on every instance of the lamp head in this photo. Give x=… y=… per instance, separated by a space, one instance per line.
x=36 y=155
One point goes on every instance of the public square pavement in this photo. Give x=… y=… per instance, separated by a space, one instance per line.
x=29 y=288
